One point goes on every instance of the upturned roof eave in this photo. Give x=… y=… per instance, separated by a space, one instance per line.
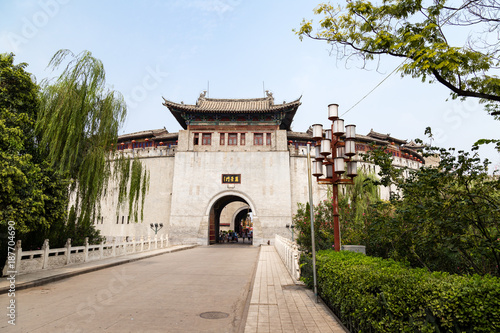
x=180 y=107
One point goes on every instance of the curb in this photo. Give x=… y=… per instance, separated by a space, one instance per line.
x=57 y=277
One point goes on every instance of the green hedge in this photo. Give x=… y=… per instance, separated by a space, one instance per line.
x=371 y=294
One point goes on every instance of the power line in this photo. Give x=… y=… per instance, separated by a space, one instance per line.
x=445 y=21
x=352 y=107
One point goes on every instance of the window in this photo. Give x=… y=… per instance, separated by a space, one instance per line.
x=206 y=139
x=258 y=139
x=222 y=138
x=123 y=219
x=242 y=139
x=195 y=140
x=117 y=219
x=232 y=139
x=268 y=139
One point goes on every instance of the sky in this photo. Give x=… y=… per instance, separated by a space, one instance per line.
x=234 y=49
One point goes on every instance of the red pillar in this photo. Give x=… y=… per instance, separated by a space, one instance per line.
x=336 y=224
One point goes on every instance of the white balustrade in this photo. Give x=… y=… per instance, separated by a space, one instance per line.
x=46 y=258
x=289 y=253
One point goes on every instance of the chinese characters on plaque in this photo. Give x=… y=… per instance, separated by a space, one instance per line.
x=231 y=179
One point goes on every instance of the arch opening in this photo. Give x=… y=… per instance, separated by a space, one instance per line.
x=229 y=214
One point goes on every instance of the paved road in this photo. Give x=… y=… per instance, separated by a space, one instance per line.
x=166 y=293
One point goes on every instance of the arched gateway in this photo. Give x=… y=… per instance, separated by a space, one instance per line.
x=217 y=205
x=229 y=151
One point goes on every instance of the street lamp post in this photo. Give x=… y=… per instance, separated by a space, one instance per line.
x=334 y=149
x=291 y=226
x=156 y=227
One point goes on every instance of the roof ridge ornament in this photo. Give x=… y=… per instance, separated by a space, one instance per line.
x=270 y=96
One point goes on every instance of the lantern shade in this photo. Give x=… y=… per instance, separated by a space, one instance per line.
x=325 y=147
x=317 y=169
x=350 y=132
x=338 y=127
x=317 y=131
x=328 y=134
x=333 y=111
x=350 y=148
x=340 y=151
x=339 y=165
x=352 y=169
x=329 y=171
x=317 y=153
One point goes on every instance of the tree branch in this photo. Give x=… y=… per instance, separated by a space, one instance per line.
x=462 y=92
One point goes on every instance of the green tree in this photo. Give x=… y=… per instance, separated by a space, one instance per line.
x=423 y=34
x=443 y=218
x=31 y=193
x=78 y=123
x=355 y=208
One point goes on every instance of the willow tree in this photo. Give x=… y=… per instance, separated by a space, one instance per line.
x=78 y=123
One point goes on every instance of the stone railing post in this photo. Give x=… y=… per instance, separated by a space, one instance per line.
x=68 y=251
x=156 y=242
x=19 y=253
x=101 y=250
x=86 y=251
x=296 y=257
x=13 y=264
x=133 y=244
x=149 y=242
x=113 y=248
x=289 y=253
x=161 y=241
x=45 y=248
x=142 y=243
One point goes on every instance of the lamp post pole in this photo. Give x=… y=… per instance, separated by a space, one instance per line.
x=311 y=210
x=334 y=153
x=155 y=227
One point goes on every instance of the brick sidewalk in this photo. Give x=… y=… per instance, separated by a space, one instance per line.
x=278 y=305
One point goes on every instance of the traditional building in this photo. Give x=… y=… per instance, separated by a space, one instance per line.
x=232 y=157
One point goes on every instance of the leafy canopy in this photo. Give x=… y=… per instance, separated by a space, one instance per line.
x=423 y=34
x=443 y=218
x=78 y=123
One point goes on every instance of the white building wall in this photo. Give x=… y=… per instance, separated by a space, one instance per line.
x=265 y=181
x=160 y=164
x=187 y=180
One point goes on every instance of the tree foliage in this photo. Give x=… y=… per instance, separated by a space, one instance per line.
x=424 y=34
x=355 y=206
x=78 y=123
x=444 y=218
x=32 y=194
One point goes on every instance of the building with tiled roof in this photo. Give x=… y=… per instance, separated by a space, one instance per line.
x=232 y=157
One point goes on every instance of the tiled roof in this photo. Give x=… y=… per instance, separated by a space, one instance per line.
x=387 y=137
x=413 y=145
x=143 y=134
x=298 y=135
x=258 y=105
x=370 y=139
x=156 y=134
x=204 y=104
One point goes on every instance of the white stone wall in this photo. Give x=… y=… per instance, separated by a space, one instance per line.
x=229 y=213
x=265 y=185
x=156 y=206
x=186 y=181
x=300 y=186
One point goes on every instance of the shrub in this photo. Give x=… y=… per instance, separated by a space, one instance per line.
x=382 y=295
